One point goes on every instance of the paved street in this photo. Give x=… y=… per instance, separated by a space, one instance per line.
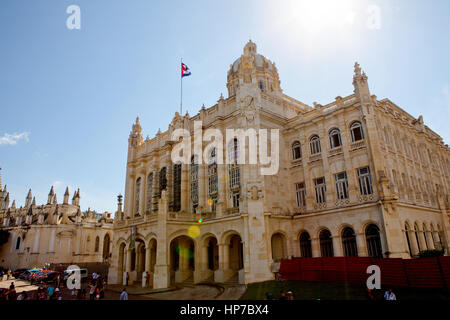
x=191 y=292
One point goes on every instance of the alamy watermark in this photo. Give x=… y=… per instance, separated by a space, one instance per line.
x=236 y=142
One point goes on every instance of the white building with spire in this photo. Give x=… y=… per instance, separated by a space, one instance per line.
x=52 y=233
x=357 y=176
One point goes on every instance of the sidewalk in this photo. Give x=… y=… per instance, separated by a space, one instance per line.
x=137 y=289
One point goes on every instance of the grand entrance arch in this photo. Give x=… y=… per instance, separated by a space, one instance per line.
x=209 y=259
x=279 y=250
x=121 y=265
x=182 y=261
x=150 y=261
x=231 y=261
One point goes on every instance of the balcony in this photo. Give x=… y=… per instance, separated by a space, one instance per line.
x=315 y=157
x=335 y=151
x=357 y=145
x=296 y=163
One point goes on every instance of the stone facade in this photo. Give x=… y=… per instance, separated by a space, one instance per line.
x=53 y=233
x=358 y=176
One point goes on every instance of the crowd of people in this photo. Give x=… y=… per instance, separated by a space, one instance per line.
x=54 y=290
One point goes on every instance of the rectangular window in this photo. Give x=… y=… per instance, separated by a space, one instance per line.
x=235 y=176
x=300 y=194
x=236 y=197
x=341 y=185
x=365 y=181
x=321 y=188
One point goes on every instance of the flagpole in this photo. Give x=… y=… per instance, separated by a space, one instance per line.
x=181 y=81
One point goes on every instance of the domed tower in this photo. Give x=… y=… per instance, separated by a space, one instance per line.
x=252 y=69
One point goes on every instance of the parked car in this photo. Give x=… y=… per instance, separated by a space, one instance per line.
x=43 y=276
x=18 y=272
x=27 y=274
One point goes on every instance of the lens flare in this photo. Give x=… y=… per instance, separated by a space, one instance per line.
x=194 y=231
x=200 y=220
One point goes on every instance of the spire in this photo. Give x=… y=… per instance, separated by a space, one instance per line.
x=51 y=196
x=66 y=196
x=34 y=201
x=13 y=205
x=250 y=48
x=0 y=179
x=28 y=199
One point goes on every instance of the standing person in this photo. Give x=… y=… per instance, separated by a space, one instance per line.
x=58 y=280
x=50 y=289
x=147 y=278
x=124 y=294
x=389 y=295
x=58 y=294
x=290 y=295
x=283 y=295
x=128 y=277
x=12 y=294
x=370 y=295
x=92 y=288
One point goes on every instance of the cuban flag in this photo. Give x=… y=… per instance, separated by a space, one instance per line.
x=185 y=70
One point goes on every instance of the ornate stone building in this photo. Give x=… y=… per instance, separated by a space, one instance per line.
x=358 y=176
x=53 y=233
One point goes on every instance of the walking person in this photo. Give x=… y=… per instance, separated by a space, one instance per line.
x=124 y=294
x=389 y=295
x=92 y=288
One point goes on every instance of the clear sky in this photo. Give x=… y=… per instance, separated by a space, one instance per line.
x=68 y=98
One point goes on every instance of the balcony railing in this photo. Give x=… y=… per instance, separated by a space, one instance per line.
x=358 y=145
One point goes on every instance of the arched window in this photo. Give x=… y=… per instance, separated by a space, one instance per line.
x=432 y=235
x=261 y=85
x=234 y=173
x=212 y=180
x=278 y=243
x=149 y=192
x=349 y=242
x=373 y=241
x=416 y=234
x=335 y=138
x=97 y=244
x=314 y=143
x=357 y=131
x=326 y=243
x=194 y=182
x=408 y=241
x=18 y=243
x=162 y=181
x=106 y=246
x=176 y=187
x=305 y=245
x=137 y=193
x=424 y=228
x=296 y=150
x=440 y=236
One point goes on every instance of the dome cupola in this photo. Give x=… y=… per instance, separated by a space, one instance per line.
x=252 y=68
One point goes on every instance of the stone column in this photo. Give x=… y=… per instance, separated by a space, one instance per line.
x=161 y=278
x=430 y=240
x=202 y=186
x=361 y=244
x=413 y=243
x=337 y=246
x=315 y=247
x=142 y=195
x=185 y=188
x=222 y=189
